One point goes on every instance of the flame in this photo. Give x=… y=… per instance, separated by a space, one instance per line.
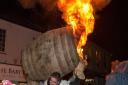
x=78 y=14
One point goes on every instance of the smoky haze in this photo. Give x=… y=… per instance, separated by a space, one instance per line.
x=50 y=5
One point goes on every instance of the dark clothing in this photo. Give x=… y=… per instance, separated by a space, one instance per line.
x=76 y=82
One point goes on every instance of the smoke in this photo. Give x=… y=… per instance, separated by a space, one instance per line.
x=27 y=3
x=50 y=5
x=100 y=4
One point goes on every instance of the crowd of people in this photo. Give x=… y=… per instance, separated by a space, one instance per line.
x=78 y=75
x=117 y=76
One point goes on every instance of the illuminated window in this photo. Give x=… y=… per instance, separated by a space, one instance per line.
x=2 y=40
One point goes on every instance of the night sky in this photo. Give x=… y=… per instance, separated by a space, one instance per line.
x=110 y=33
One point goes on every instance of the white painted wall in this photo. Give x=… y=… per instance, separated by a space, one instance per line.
x=17 y=37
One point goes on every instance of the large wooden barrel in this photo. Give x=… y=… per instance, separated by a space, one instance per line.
x=54 y=50
x=30 y=82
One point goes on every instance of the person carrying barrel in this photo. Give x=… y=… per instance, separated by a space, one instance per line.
x=78 y=75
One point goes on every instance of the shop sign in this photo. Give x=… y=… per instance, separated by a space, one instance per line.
x=11 y=72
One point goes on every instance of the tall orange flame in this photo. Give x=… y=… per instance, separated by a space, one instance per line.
x=79 y=15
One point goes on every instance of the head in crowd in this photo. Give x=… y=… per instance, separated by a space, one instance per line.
x=54 y=79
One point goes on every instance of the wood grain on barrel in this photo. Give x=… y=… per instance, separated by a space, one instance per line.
x=54 y=50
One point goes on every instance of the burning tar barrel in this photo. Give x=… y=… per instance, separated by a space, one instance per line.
x=54 y=50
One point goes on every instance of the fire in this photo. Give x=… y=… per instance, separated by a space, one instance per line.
x=78 y=14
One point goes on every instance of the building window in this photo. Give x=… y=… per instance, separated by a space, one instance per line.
x=2 y=40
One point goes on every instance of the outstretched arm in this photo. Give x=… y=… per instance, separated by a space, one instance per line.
x=78 y=73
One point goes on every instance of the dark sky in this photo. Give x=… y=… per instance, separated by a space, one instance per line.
x=110 y=33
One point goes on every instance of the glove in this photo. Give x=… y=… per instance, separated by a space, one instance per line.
x=79 y=70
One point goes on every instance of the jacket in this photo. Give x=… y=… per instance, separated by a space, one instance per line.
x=120 y=76
x=74 y=80
x=62 y=82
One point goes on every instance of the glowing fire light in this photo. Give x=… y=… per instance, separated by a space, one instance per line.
x=79 y=15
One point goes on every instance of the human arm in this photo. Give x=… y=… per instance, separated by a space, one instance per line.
x=78 y=74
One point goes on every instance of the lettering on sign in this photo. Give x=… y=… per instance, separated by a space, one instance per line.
x=11 y=72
